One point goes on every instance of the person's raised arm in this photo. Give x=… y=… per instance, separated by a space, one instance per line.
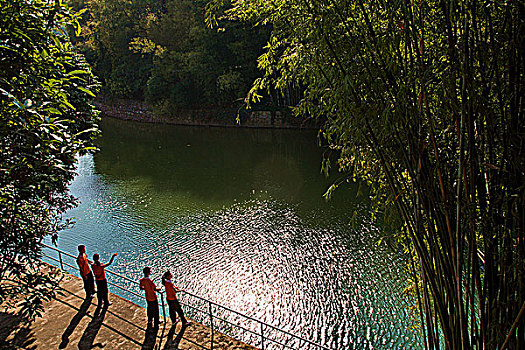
x=111 y=260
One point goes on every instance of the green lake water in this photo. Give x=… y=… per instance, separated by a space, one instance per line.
x=238 y=216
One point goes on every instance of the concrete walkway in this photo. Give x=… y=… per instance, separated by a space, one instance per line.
x=71 y=322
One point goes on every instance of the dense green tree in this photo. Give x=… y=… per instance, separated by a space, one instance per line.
x=198 y=66
x=108 y=27
x=162 y=52
x=424 y=101
x=46 y=121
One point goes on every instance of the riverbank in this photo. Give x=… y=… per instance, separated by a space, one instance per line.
x=140 y=111
x=72 y=322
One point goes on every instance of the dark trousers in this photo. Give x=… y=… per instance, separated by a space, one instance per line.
x=174 y=307
x=153 y=311
x=89 y=283
x=102 y=292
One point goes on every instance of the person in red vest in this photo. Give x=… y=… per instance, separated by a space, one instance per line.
x=100 y=276
x=173 y=302
x=147 y=285
x=85 y=272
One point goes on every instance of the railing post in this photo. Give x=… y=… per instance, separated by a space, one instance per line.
x=262 y=336
x=60 y=258
x=211 y=324
x=163 y=308
x=210 y=310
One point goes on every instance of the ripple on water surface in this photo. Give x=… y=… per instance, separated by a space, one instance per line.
x=302 y=270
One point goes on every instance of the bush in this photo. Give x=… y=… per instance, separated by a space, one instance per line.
x=47 y=120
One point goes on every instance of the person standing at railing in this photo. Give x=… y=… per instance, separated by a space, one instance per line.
x=100 y=276
x=85 y=272
x=173 y=302
x=147 y=285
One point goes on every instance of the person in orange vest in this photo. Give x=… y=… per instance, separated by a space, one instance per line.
x=85 y=272
x=147 y=285
x=173 y=302
x=100 y=277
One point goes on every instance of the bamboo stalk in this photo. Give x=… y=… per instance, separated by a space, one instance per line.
x=513 y=328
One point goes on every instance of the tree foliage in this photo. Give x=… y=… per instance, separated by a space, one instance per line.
x=162 y=52
x=46 y=122
x=424 y=101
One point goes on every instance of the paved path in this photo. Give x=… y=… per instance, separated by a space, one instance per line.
x=71 y=322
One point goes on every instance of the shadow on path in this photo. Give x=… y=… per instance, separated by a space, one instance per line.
x=86 y=342
x=109 y=326
x=17 y=330
x=173 y=344
x=108 y=311
x=150 y=338
x=82 y=311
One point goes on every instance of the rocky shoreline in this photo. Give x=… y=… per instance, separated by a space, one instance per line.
x=140 y=111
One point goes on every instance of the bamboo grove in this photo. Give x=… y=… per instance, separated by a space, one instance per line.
x=424 y=101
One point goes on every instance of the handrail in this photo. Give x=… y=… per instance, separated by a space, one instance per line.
x=210 y=303
x=60 y=252
x=256 y=320
x=74 y=257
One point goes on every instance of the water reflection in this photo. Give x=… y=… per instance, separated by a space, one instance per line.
x=237 y=216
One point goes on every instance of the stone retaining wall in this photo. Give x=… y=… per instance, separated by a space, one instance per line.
x=142 y=112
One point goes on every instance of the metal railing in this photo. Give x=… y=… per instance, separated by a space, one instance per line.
x=261 y=334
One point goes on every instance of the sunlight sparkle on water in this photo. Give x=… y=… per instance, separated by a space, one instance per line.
x=234 y=230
